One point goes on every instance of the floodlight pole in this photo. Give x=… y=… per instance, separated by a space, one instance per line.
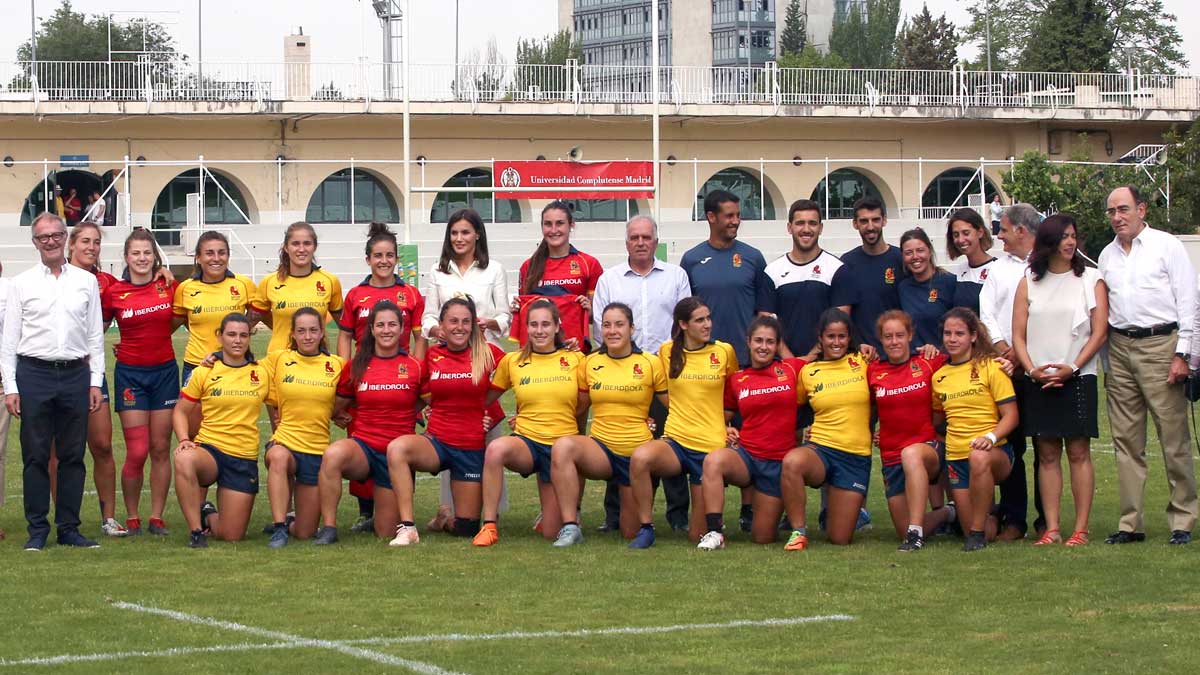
x=406 y=30
x=33 y=34
x=200 y=45
x=654 y=87
x=987 y=11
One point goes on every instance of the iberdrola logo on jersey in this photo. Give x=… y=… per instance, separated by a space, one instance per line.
x=596 y=386
x=288 y=379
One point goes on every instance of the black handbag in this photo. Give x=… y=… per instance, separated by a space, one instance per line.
x=1191 y=386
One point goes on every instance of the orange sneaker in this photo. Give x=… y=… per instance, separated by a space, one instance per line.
x=796 y=542
x=488 y=535
x=537 y=524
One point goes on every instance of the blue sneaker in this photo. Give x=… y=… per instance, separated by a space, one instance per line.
x=36 y=542
x=644 y=538
x=864 y=520
x=279 y=537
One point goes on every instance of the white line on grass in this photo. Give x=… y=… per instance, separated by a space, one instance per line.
x=118 y=656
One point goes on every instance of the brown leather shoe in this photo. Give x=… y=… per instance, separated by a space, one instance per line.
x=1010 y=533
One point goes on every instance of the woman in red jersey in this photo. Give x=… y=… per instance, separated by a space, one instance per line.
x=146 y=377
x=378 y=397
x=455 y=384
x=765 y=396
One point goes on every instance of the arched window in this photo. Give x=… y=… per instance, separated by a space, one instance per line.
x=848 y=187
x=507 y=210
x=42 y=194
x=331 y=203
x=603 y=210
x=748 y=189
x=946 y=188
x=222 y=201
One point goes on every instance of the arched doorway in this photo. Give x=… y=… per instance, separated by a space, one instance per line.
x=756 y=202
x=224 y=204
x=42 y=194
x=954 y=187
x=331 y=203
x=445 y=203
x=848 y=186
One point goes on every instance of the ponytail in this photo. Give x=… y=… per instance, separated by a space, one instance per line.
x=366 y=351
x=559 y=341
x=681 y=315
x=537 y=262
x=281 y=272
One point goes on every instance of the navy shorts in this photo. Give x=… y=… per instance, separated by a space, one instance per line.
x=377 y=461
x=692 y=461
x=234 y=473
x=104 y=389
x=308 y=465
x=146 y=387
x=843 y=470
x=764 y=473
x=958 y=471
x=186 y=374
x=618 y=463
x=893 y=474
x=541 y=458
x=464 y=465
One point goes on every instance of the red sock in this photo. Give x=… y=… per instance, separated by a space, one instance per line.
x=137 y=447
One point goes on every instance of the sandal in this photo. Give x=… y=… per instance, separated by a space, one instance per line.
x=1078 y=538
x=1050 y=537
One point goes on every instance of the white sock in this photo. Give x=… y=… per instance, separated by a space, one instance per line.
x=918 y=529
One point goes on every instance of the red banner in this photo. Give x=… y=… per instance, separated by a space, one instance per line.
x=637 y=176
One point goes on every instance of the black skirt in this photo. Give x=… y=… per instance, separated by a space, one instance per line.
x=1065 y=412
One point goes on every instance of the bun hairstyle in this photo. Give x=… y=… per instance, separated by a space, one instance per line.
x=380 y=232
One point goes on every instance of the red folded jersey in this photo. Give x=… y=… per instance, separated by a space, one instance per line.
x=143 y=315
x=766 y=399
x=903 y=398
x=455 y=401
x=104 y=279
x=361 y=298
x=574 y=319
x=575 y=273
x=385 y=399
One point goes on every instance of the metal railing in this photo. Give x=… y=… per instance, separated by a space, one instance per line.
x=587 y=83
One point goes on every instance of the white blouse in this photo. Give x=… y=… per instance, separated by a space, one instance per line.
x=487 y=287
x=1060 y=317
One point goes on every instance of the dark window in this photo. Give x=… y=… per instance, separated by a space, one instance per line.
x=507 y=210
x=330 y=203
x=170 y=209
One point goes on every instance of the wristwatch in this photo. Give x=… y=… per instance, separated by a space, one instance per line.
x=1184 y=355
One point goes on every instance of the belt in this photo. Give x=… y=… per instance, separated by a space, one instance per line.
x=57 y=365
x=1152 y=331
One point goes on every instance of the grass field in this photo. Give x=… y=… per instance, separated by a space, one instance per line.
x=152 y=605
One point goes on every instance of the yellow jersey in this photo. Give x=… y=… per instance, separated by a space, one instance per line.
x=205 y=304
x=970 y=394
x=841 y=403
x=303 y=388
x=547 y=388
x=230 y=400
x=696 y=416
x=318 y=289
x=621 y=391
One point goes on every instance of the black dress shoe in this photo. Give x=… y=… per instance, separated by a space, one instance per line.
x=36 y=542
x=74 y=538
x=608 y=527
x=1123 y=537
x=1180 y=537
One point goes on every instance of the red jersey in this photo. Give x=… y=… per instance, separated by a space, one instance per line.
x=575 y=273
x=903 y=398
x=766 y=398
x=104 y=279
x=456 y=403
x=574 y=319
x=385 y=399
x=143 y=314
x=362 y=298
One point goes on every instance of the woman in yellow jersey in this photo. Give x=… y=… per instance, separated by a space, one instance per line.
x=621 y=381
x=976 y=401
x=552 y=402
x=838 y=452
x=229 y=395
x=696 y=368
x=297 y=282
x=303 y=382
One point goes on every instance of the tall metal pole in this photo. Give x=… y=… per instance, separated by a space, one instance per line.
x=988 y=31
x=455 y=52
x=405 y=31
x=200 y=44
x=654 y=107
x=33 y=34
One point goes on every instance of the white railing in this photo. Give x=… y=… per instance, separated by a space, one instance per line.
x=584 y=83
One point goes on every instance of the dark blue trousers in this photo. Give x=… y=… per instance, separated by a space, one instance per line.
x=54 y=412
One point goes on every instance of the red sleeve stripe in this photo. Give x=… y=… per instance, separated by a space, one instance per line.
x=184 y=394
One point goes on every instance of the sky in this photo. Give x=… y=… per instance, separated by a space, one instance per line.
x=346 y=30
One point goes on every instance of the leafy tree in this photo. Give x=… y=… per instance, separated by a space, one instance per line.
x=926 y=43
x=550 y=50
x=866 y=37
x=1032 y=181
x=482 y=73
x=1183 y=163
x=795 y=29
x=1144 y=34
x=812 y=58
x=1071 y=36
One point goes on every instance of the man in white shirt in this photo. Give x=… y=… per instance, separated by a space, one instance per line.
x=651 y=288
x=53 y=362
x=1018 y=229
x=5 y=418
x=1151 y=297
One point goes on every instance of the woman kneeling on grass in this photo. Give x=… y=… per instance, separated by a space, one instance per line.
x=696 y=370
x=975 y=399
x=228 y=397
x=621 y=382
x=838 y=453
x=377 y=399
x=765 y=396
x=455 y=383
x=552 y=402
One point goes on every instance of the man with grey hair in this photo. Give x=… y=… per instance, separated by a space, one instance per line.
x=651 y=288
x=1018 y=229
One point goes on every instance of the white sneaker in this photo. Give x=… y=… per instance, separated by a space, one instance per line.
x=405 y=536
x=711 y=541
x=112 y=528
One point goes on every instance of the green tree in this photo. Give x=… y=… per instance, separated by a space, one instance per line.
x=926 y=43
x=1183 y=163
x=812 y=58
x=550 y=50
x=1032 y=181
x=1071 y=36
x=795 y=29
x=1144 y=34
x=866 y=37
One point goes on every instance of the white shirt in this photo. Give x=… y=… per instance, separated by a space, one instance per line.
x=996 y=210
x=1151 y=285
x=996 y=297
x=94 y=213
x=1060 y=317
x=54 y=319
x=487 y=287
x=651 y=296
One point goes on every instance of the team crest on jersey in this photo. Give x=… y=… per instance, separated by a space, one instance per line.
x=915 y=368
x=128 y=396
x=402 y=370
x=329 y=368
x=563 y=363
x=933 y=295
x=637 y=370
x=233 y=292
x=737 y=259
x=983 y=275
x=401 y=301
x=889 y=276
x=854 y=364
x=254 y=376
x=161 y=288
x=782 y=376
x=575 y=268
x=974 y=373
x=714 y=361
x=320 y=288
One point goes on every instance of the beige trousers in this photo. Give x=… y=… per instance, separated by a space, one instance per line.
x=1136 y=382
